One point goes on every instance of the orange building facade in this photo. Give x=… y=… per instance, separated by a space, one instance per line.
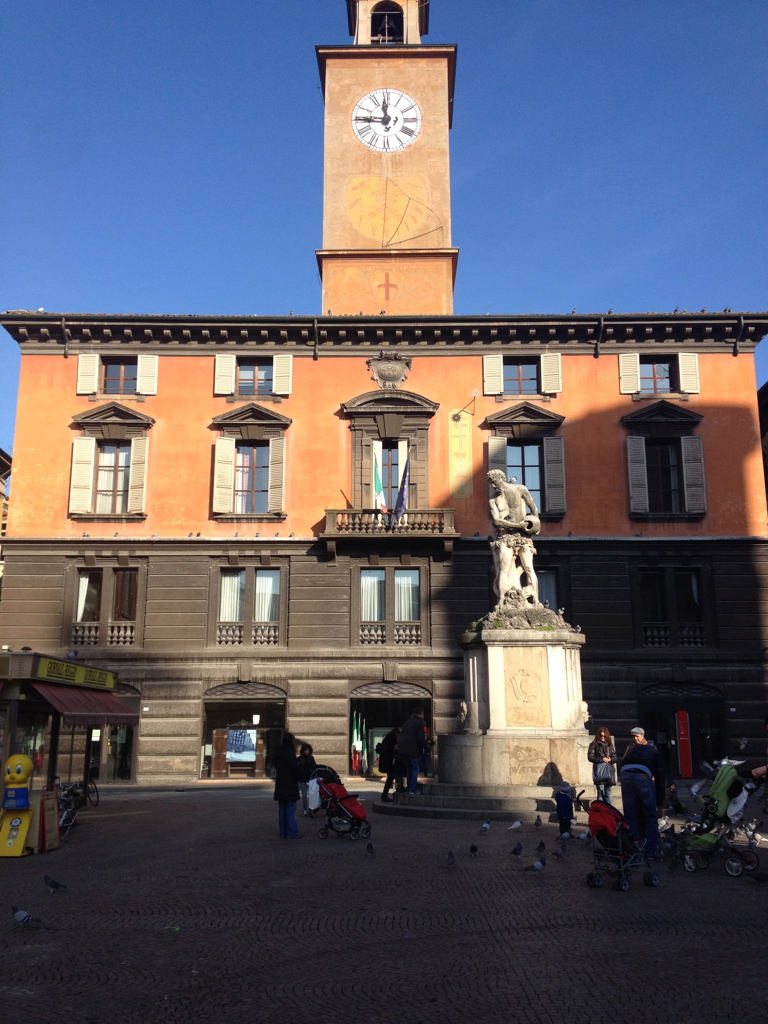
x=205 y=505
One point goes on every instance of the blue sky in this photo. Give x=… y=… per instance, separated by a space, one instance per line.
x=165 y=156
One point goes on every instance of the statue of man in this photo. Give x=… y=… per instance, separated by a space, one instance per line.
x=513 y=548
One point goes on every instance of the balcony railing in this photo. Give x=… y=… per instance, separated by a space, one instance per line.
x=376 y=633
x=687 y=634
x=416 y=522
x=232 y=634
x=89 y=634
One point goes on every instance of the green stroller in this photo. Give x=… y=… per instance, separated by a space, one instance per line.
x=725 y=799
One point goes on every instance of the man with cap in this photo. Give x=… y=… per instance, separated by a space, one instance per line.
x=642 y=788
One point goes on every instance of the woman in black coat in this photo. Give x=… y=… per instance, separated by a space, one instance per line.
x=287 y=777
x=307 y=764
x=387 y=757
x=602 y=752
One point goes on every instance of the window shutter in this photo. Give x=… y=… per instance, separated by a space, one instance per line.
x=638 y=479
x=377 y=457
x=81 y=483
x=551 y=373
x=224 y=375
x=493 y=375
x=629 y=375
x=137 y=481
x=276 y=474
x=497 y=454
x=402 y=455
x=688 y=367
x=146 y=375
x=88 y=367
x=693 y=474
x=554 y=474
x=224 y=474
x=282 y=374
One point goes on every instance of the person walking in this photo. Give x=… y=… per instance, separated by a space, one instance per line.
x=642 y=789
x=287 y=777
x=411 y=743
x=602 y=755
x=307 y=764
x=564 y=805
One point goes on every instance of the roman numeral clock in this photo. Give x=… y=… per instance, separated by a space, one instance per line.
x=386 y=191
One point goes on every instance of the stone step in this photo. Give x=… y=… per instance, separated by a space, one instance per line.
x=413 y=810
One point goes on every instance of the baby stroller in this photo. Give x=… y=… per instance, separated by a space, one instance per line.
x=722 y=806
x=343 y=814
x=616 y=852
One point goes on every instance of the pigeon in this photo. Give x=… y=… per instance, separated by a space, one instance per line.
x=517 y=850
x=22 y=918
x=53 y=885
x=473 y=850
x=559 y=853
x=583 y=837
x=451 y=859
x=537 y=865
x=485 y=828
x=369 y=848
x=514 y=825
x=566 y=835
x=538 y=822
x=541 y=847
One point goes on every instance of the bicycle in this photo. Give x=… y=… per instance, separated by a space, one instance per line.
x=72 y=799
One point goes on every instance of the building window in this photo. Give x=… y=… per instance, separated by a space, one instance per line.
x=659 y=374
x=249 y=464
x=548 y=590
x=113 y=468
x=664 y=475
x=390 y=606
x=538 y=465
x=247 y=377
x=524 y=463
x=387 y=23
x=116 y=375
x=522 y=375
x=106 y=608
x=671 y=608
x=249 y=607
x=108 y=477
x=252 y=477
x=390 y=471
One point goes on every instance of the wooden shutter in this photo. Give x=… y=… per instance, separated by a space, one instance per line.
x=224 y=375
x=551 y=373
x=493 y=375
x=497 y=454
x=693 y=474
x=688 y=371
x=554 y=474
x=629 y=375
x=638 y=479
x=83 y=471
x=224 y=474
x=276 y=474
x=88 y=369
x=137 y=481
x=146 y=375
x=282 y=374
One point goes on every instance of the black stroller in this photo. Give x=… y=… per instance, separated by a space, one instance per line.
x=616 y=852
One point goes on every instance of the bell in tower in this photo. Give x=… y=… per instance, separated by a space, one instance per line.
x=388 y=22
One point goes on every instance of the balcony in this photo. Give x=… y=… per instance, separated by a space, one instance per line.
x=685 y=634
x=96 y=634
x=357 y=524
x=233 y=634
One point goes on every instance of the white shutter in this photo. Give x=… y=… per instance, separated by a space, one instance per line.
x=224 y=475
x=137 y=480
x=493 y=375
x=88 y=367
x=282 y=374
x=224 y=375
x=276 y=474
x=638 y=479
x=497 y=454
x=554 y=474
x=688 y=371
x=629 y=375
x=146 y=375
x=693 y=474
x=551 y=373
x=83 y=471
x=402 y=455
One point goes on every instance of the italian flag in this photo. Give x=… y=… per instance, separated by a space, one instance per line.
x=378 y=498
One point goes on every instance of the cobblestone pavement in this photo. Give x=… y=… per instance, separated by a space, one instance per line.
x=188 y=907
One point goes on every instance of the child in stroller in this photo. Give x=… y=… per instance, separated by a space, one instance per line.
x=343 y=814
x=615 y=851
x=722 y=807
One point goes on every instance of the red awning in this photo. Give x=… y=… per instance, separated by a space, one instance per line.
x=79 y=706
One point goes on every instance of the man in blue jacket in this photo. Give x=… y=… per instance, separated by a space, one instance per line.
x=642 y=788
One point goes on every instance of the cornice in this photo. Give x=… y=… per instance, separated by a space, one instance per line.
x=574 y=334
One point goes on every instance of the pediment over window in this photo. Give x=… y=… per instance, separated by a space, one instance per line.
x=251 y=422
x=662 y=419
x=524 y=420
x=113 y=422
x=397 y=402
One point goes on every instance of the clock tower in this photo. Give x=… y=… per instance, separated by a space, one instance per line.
x=386 y=196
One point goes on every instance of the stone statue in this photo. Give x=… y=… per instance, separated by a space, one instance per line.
x=513 y=548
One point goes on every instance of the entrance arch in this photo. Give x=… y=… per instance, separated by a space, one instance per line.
x=376 y=708
x=243 y=725
x=695 y=705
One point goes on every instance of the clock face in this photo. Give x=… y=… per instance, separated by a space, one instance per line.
x=386 y=120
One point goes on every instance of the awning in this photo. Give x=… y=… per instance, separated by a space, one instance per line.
x=86 y=707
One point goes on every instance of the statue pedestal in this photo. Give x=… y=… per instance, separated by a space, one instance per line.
x=525 y=712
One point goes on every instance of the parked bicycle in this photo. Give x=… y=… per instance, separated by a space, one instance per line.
x=72 y=798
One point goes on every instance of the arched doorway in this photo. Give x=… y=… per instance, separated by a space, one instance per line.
x=243 y=725
x=374 y=710
x=686 y=722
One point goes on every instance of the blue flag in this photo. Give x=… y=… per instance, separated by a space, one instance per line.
x=402 y=495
